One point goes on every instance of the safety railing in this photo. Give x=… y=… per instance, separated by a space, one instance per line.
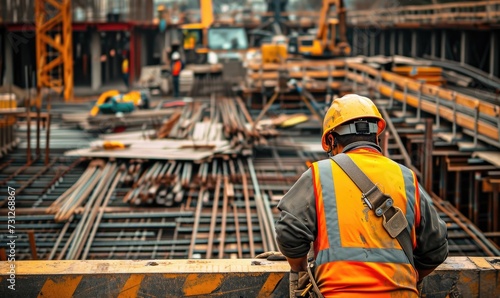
x=479 y=119
x=468 y=12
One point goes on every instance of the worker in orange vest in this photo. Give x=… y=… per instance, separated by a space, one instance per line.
x=176 y=69
x=354 y=253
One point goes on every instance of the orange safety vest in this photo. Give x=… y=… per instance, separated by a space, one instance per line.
x=176 y=68
x=354 y=254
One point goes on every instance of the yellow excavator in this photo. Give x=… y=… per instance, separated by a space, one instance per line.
x=113 y=101
x=195 y=35
x=330 y=39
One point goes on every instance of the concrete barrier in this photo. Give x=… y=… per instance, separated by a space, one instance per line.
x=457 y=277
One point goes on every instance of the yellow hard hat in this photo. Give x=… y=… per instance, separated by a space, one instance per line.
x=347 y=108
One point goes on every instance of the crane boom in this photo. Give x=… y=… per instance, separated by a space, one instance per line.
x=323 y=24
x=330 y=39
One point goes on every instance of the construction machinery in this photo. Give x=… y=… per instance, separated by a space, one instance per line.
x=276 y=51
x=330 y=39
x=113 y=101
x=207 y=35
x=208 y=47
x=195 y=35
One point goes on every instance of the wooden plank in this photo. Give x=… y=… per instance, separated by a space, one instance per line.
x=492 y=157
x=311 y=86
x=138 y=135
x=164 y=144
x=315 y=74
x=308 y=64
x=14 y=111
x=364 y=68
x=171 y=154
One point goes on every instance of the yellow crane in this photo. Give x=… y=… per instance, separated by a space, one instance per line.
x=54 y=51
x=196 y=34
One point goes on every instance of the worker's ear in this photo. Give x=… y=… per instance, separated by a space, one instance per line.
x=332 y=141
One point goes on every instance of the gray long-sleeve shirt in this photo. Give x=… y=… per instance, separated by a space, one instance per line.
x=297 y=228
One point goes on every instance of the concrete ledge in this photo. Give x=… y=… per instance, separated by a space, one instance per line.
x=457 y=277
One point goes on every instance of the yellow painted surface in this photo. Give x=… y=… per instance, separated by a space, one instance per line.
x=294 y=121
x=93 y=267
x=131 y=287
x=270 y=284
x=239 y=266
x=202 y=284
x=207 y=16
x=481 y=263
x=111 y=145
x=102 y=98
x=274 y=53
x=65 y=287
x=6 y=103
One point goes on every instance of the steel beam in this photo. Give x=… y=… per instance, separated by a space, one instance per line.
x=381 y=45
x=414 y=43
x=433 y=43
x=9 y=52
x=464 y=47
x=393 y=43
x=443 y=44
x=355 y=42
x=401 y=43
x=372 y=43
x=95 y=58
x=494 y=61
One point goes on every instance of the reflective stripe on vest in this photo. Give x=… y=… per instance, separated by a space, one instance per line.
x=410 y=196
x=335 y=250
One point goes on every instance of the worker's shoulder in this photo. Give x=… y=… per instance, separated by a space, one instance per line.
x=402 y=166
x=388 y=162
x=321 y=162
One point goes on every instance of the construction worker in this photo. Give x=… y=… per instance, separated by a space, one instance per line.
x=176 y=69
x=353 y=251
x=125 y=69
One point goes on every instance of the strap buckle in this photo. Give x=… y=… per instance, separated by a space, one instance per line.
x=377 y=201
x=365 y=196
x=396 y=223
x=382 y=208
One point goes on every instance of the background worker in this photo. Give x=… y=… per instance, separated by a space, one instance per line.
x=354 y=253
x=125 y=69
x=176 y=68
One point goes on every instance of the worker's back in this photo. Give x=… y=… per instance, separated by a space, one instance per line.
x=354 y=254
